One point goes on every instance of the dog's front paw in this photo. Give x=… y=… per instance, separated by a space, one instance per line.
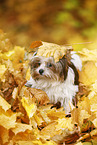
x=30 y=83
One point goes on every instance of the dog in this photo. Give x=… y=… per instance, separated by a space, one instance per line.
x=59 y=80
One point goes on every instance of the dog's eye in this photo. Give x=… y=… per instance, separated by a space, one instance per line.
x=37 y=65
x=49 y=65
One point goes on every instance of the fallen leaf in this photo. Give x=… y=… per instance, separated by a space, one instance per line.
x=30 y=108
x=53 y=50
x=88 y=75
x=4 y=134
x=65 y=123
x=4 y=104
x=20 y=127
x=8 y=121
x=2 y=71
x=40 y=96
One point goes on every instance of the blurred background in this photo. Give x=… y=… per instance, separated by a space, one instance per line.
x=57 y=21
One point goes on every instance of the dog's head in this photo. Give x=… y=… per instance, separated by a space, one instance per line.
x=45 y=68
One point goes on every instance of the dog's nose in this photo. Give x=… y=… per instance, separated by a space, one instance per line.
x=41 y=71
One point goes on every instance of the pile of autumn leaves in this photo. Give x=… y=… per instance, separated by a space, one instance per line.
x=25 y=116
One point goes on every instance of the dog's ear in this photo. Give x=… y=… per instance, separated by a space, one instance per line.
x=50 y=59
x=31 y=61
x=64 y=64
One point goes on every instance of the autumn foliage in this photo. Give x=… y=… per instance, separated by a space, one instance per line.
x=27 y=118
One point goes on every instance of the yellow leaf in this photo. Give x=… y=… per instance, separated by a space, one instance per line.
x=65 y=123
x=88 y=75
x=33 y=122
x=88 y=55
x=95 y=122
x=21 y=128
x=52 y=50
x=2 y=71
x=8 y=55
x=94 y=86
x=45 y=117
x=19 y=54
x=38 y=142
x=79 y=143
x=91 y=95
x=83 y=115
x=84 y=104
x=38 y=119
x=15 y=93
x=54 y=115
x=94 y=108
x=21 y=142
x=50 y=131
x=30 y=108
x=8 y=121
x=4 y=104
x=28 y=75
x=93 y=132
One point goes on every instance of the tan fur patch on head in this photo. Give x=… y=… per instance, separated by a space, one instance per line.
x=35 y=62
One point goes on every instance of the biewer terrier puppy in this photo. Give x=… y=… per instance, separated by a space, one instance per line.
x=59 y=80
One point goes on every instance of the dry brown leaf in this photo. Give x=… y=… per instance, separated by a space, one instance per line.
x=39 y=95
x=4 y=134
x=34 y=46
x=24 y=136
